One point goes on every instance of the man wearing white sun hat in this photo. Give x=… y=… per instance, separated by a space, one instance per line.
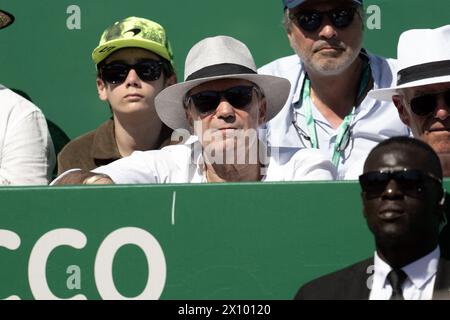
x=422 y=93
x=217 y=111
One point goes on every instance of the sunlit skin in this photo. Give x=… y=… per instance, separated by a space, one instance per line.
x=136 y=123
x=134 y=94
x=225 y=123
x=328 y=50
x=330 y=56
x=434 y=128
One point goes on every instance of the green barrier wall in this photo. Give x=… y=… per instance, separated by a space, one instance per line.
x=256 y=241
x=249 y=241
x=46 y=53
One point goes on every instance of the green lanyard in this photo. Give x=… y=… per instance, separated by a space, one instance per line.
x=344 y=128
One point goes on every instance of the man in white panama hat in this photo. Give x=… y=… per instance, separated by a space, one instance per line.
x=422 y=92
x=216 y=111
x=27 y=156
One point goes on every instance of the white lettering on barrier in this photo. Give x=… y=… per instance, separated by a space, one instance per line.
x=37 y=264
x=73 y=22
x=374 y=20
x=74 y=280
x=155 y=259
x=10 y=240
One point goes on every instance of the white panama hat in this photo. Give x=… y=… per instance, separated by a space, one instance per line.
x=423 y=59
x=217 y=58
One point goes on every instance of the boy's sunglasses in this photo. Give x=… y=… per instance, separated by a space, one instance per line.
x=117 y=72
x=207 y=101
x=426 y=104
x=311 y=20
x=409 y=181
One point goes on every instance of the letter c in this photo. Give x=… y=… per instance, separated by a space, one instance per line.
x=10 y=240
x=38 y=260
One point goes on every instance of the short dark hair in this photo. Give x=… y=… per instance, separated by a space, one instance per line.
x=412 y=144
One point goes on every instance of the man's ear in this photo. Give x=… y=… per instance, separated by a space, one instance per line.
x=291 y=39
x=189 y=118
x=402 y=112
x=443 y=198
x=101 y=89
x=171 y=80
x=443 y=208
x=262 y=112
x=363 y=206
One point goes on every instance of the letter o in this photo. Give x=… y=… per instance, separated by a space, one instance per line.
x=155 y=259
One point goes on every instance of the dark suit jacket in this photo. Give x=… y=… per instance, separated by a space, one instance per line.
x=351 y=283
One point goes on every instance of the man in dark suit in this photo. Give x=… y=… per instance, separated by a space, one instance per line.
x=403 y=203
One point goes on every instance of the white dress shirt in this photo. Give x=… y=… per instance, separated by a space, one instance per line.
x=373 y=122
x=183 y=163
x=420 y=282
x=27 y=156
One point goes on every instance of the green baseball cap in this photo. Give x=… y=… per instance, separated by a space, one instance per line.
x=6 y=19
x=133 y=32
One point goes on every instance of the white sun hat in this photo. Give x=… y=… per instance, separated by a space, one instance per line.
x=217 y=58
x=423 y=59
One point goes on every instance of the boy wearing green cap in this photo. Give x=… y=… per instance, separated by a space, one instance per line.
x=134 y=63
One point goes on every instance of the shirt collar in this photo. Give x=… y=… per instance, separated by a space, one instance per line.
x=197 y=158
x=422 y=270
x=104 y=145
x=419 y=272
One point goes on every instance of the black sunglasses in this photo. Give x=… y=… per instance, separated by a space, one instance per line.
x=410 y=181
x=117 y=72
x=311 y=20
x=427 y=103
x=208 y=101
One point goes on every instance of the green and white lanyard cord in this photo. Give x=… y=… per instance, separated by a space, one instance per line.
x=344 y=128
